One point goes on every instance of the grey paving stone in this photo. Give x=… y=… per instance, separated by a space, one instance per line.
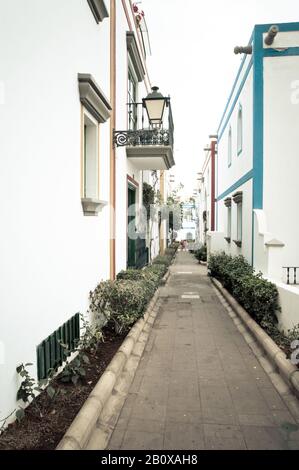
x=116 y=439
x=215 y=396
x=273 y=399
x=147 y=409
x=264 y=438
x=219 y=415
x=181 y=436
x=184 y=389
x=223 y=437
x=184 y=404
x=183 y=416
x=257 y=420
x=138 y=424
x=140 y=440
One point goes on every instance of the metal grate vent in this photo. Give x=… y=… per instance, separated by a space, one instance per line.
x=50 y=354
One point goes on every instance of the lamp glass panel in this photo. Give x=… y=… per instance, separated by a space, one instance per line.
x=155 y=110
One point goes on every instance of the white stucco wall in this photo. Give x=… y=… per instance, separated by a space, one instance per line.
x=281 y=164
x=51 y=255
x=241 y=164
x=227 y=176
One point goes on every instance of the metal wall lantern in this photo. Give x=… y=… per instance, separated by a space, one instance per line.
x=155 y=104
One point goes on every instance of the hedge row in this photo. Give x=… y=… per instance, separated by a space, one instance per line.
x=257 y=295
x=119 y=304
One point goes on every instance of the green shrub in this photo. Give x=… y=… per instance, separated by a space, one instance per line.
x=201 y=254
x=140 y=275
x=257 y=295
x=131 y=275
x=158 y=269
x=166 y=260
x=121 y=303
x=170 y=251
x=228 y=269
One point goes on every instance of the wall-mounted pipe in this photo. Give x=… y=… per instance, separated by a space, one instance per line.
x=269 y=39
x=243 y=50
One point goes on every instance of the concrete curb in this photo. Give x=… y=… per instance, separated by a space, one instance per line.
x=79 y=433
x=286 y=369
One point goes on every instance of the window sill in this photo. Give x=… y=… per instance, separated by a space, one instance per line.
x=238 y=243
x=228 y=239
x=239 y=152
x=92 y=207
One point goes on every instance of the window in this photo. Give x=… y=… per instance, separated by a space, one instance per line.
x=229 y=147
x=229 y=222
x=239 y=221
x=132 y=100
x=228 y=204
x=98 y=9
x=95 y=110
x=238 y=199
x=240 y=131
x=90 y=157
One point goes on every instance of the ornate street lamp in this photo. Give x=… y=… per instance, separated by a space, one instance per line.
x=155 y=104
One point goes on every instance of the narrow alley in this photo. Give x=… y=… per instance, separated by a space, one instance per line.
x=198 y=384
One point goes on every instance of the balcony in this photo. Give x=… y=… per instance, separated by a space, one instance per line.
x=151 y=147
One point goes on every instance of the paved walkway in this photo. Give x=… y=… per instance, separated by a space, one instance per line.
x=198 y=384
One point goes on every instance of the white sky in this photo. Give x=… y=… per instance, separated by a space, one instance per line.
x=193 y=61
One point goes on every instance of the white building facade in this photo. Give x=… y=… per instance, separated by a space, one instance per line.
x=257 y=164
x=64 y=89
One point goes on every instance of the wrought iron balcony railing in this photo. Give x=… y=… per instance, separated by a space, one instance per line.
x=143 y=137
x=147 y=135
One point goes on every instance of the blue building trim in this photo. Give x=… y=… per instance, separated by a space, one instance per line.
x=234 y=86
x=258 y=118
x=235 y=100
x=232 y=92
x=248 y=176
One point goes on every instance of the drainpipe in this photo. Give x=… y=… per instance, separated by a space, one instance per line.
x=162 y=229
x=112 y=127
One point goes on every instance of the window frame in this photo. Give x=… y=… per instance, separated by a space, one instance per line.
x=239 y=221
x=132 y=99
x=229 y=147
x=84 y=190
x=229 y=223
x=240 y=130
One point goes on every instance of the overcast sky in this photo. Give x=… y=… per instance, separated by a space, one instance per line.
x=193 y=61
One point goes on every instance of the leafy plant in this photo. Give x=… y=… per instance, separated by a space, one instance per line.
x=28 y=386
x=73 y=370
x=20 y=414
x=92 y=336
